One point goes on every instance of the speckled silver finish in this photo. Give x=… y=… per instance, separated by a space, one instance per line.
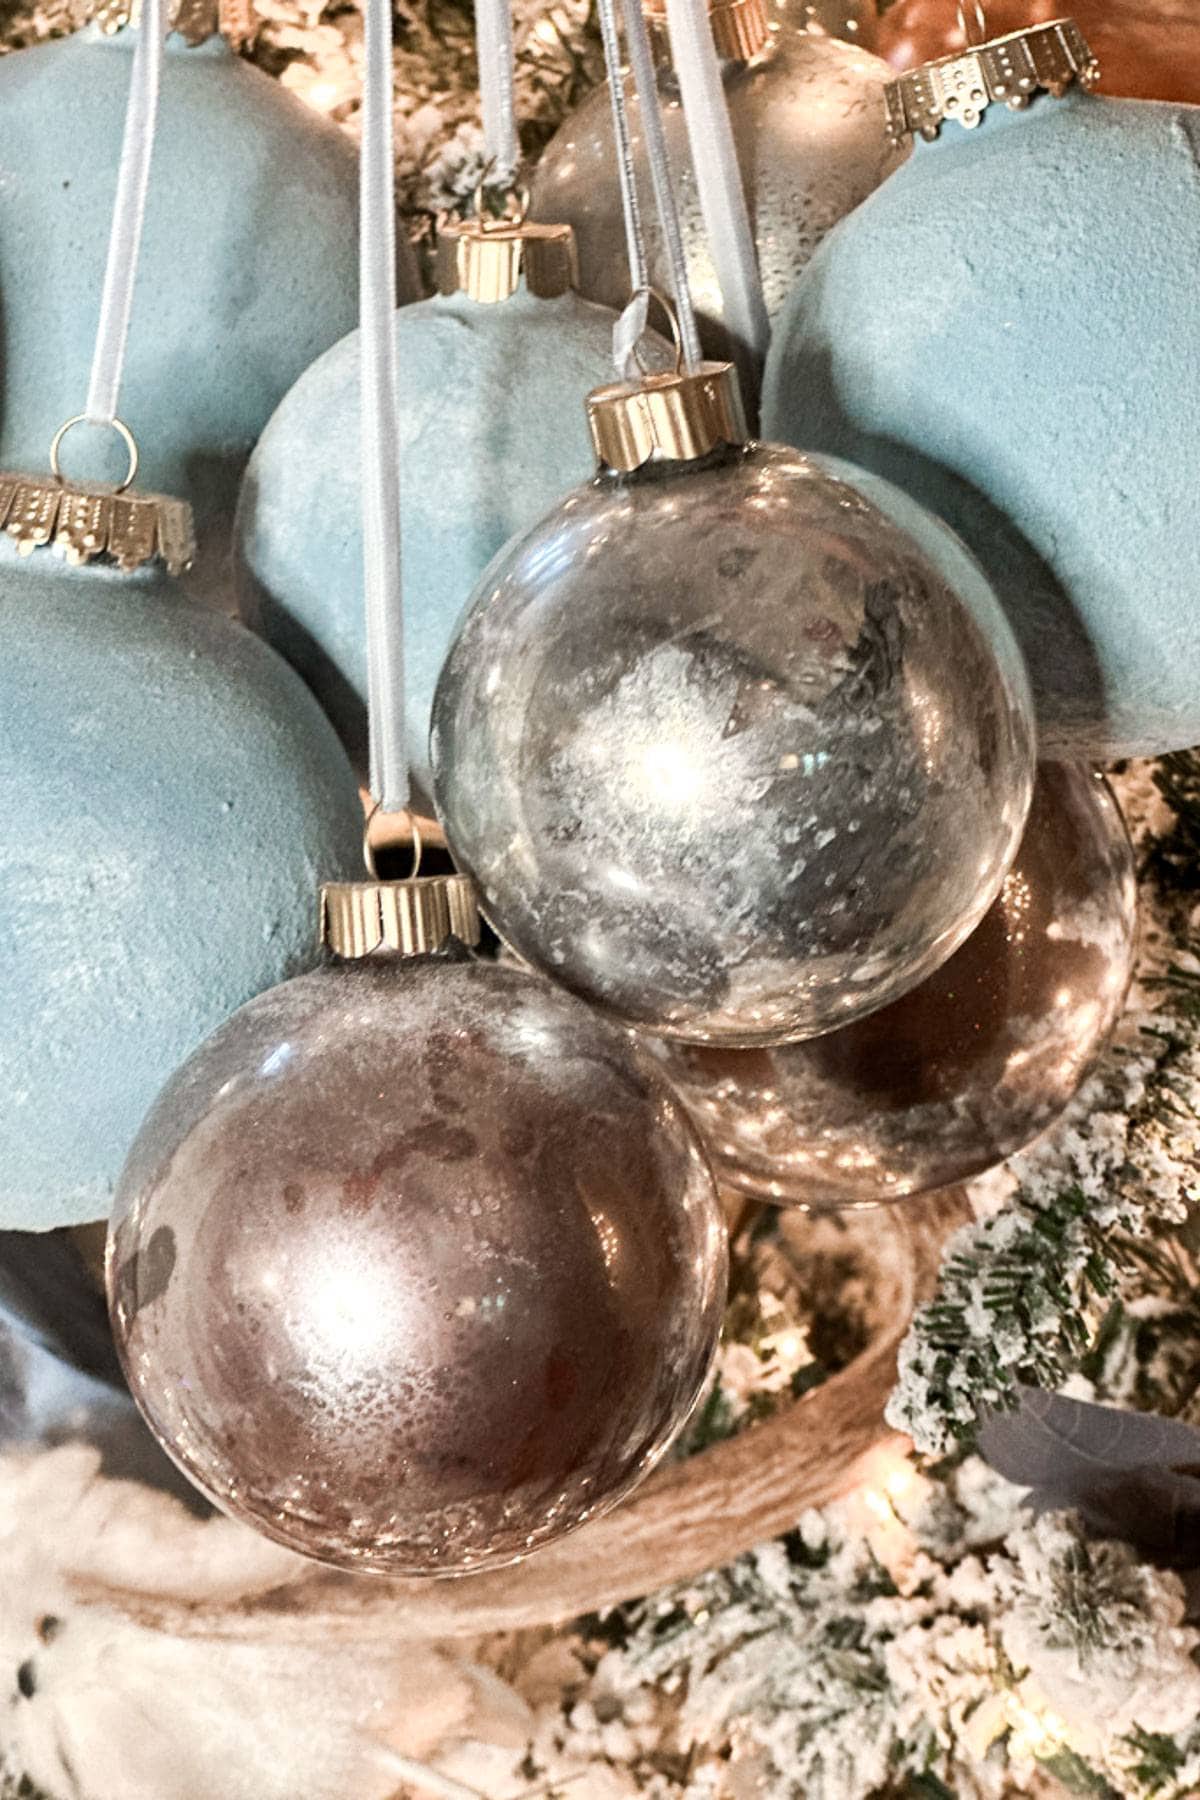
x=416 y=1264
x=737 y=750
x=811 y=130
x=967 y=1069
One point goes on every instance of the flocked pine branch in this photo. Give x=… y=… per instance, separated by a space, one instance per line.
x=921 y=1640
x=1024 y=1296
x=1174 y=858
x=1034 y=1294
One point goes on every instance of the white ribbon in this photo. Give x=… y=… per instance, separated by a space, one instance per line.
x=494 y=52
x=129 y=212
x=627 y=331
x=718 y=177
x=380 y=449
x=642 y=65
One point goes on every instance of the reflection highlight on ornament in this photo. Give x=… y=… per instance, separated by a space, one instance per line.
x=967 y=1069
x=429 y=1291
x=746 y=774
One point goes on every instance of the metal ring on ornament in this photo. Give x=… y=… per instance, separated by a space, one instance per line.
x=972 y=22
x=418 y=842
x=672 y=318
x=123 y=432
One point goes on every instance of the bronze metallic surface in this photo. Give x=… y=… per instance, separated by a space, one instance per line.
x=967 y=1069
x=416 y=1265
x=489 y=259
x=360 y=918
x=676 y=417
x=811 y=130
x=736 y=749
x=1007 y=70
x=85 y=522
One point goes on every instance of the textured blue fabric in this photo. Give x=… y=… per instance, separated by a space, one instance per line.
x=493 y=432
x=1007 y=328
x=170 y=799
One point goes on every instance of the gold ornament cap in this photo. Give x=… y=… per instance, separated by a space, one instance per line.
x=86 y=522
x=740 y=28
x=404 y=918
x=490 y=259
x=675 y=417
x=1040 y=59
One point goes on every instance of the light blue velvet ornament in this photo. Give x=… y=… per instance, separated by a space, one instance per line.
x=170 y=798
x=493 y=431
x=248 y=263
x=1007 y=329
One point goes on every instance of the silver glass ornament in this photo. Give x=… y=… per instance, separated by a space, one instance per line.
x=416 y=1264
x=810 y=125
x=737 y=748
x=968 y=1068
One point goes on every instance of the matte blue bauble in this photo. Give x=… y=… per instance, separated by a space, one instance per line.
x=493 y=431
x=170 y=798
x=1007 y=329
x=248 y=263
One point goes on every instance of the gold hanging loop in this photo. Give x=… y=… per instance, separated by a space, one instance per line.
x=672 y=318
x=123 y=432
x=418 y=844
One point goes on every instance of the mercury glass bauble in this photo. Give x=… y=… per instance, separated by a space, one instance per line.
x=248 y=262
x=1006 y=329
x=737 y=749
x=811 y=131
x=968 y=1068
x=416 y=1265
x=170 y=797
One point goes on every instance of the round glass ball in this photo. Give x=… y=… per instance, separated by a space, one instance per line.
x=810 y=127
x=967 y=1069
x=737 y=750
x=417 y=1264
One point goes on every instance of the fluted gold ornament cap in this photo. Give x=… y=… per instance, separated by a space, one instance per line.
x=1046 y=58
x=489 y=259
x=740 y=28
x=399 y=918
x=675 y=417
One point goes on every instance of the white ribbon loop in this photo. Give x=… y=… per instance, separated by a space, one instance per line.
x=494 y=52
x=628 y=333
x=129 y=212
x=718 y=178
x=642 y=65
x=380 y=427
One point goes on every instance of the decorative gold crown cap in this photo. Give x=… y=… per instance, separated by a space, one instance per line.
x=86 y=521
x=670 y=418
x=489 y=258
x=1046 y=58
x=406 y=918
x=740 y=28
